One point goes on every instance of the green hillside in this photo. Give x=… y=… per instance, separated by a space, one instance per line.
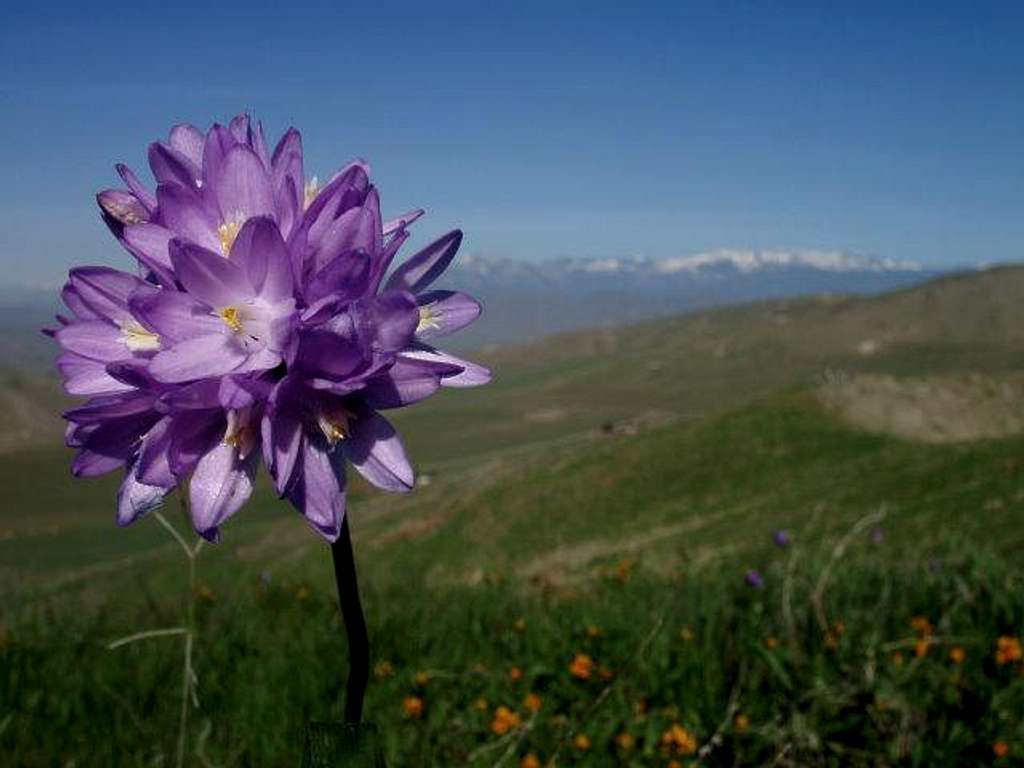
x=605 y=496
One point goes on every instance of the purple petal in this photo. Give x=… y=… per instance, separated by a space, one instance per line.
x=101 y=410
x=182 y=211
x=445 y=312
x=200 y=395
x=242 y=188
x=319 y=490
x=73 y=300
x=426 y=266
x=135 y=498
x=153 y=466
x=404 y=383
x=122 y=206
x=209 y=277
x=220 y=485
x=148 y=243
x=390 y=320
x=170 y=166
x=174 y=315
x=93 y=464
x=95 y=339
x=198 y=358
x=346 y=190
x=402 y=221
x=194 y=434
x=358 y=229
x=219 y=142
x=282 y=433
x=188 y=140
x=472 y=375
x=346 y=278
x=83 y=376
x=144 y=195
x=260 y=251
x=105 y=290
x=287 y=174
x=324 y=353
x=376 y=452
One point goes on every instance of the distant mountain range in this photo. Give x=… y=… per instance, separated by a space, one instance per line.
x=530 y=299
x=525 y=300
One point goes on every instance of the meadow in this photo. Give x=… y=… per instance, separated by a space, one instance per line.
x=590 y=573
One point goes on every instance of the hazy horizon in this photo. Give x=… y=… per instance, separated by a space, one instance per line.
x=664 y=131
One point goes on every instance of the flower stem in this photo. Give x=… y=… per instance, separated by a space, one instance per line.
x=355 y=624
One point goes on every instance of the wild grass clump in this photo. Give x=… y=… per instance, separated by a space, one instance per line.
x=835 y=659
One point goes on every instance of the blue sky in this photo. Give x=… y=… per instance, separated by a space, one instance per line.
x=547 y=129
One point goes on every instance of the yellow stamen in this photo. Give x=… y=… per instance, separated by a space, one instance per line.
x=137 y=338
x=429 y=319
x=240 y=434
x=227 y=232
x=335 y=424
x=310 y=192
x=232 y=318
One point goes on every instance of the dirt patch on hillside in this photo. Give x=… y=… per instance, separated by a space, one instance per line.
x=938 y=409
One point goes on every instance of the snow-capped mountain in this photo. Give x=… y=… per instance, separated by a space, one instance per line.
x=530 y=299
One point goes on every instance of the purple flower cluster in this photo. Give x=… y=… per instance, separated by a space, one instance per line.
x=262 y=323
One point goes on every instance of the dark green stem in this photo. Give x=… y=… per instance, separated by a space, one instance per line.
x=355 y=624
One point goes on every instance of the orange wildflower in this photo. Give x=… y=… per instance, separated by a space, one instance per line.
x=921 y=647
x=741 y=722
x=421 y=679
x=383 y=669
x=686 y=635
x=481 y=705
x=771 y=643
x=605 y=673
x=515 y=674
x=1000 y=749
x=413 y=706
x=1008 y=650
x=897 y=659
x=581 y=742
x=674 y=764
x=593 y=631
x=625 y=741
x=504 y=721
x=582 y=666
x=957 y=654
x=532 y=702
x=921 y=625
x=529 y=761
x=678 y=741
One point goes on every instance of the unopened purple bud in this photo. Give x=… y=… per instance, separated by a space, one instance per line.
x=781 y=539
x=754 y=579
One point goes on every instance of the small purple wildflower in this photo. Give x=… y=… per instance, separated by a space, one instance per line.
x=877 y=535
x=754 y=579
x=262 y=325
x=781 y=539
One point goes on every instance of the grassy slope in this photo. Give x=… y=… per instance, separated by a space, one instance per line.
x=527 y=489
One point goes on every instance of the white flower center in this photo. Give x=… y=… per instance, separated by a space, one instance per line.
x=228 y=231
x=241 y=432
x=335 y=423
x=137 y=338
x=429 y=319
x=310 y=192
